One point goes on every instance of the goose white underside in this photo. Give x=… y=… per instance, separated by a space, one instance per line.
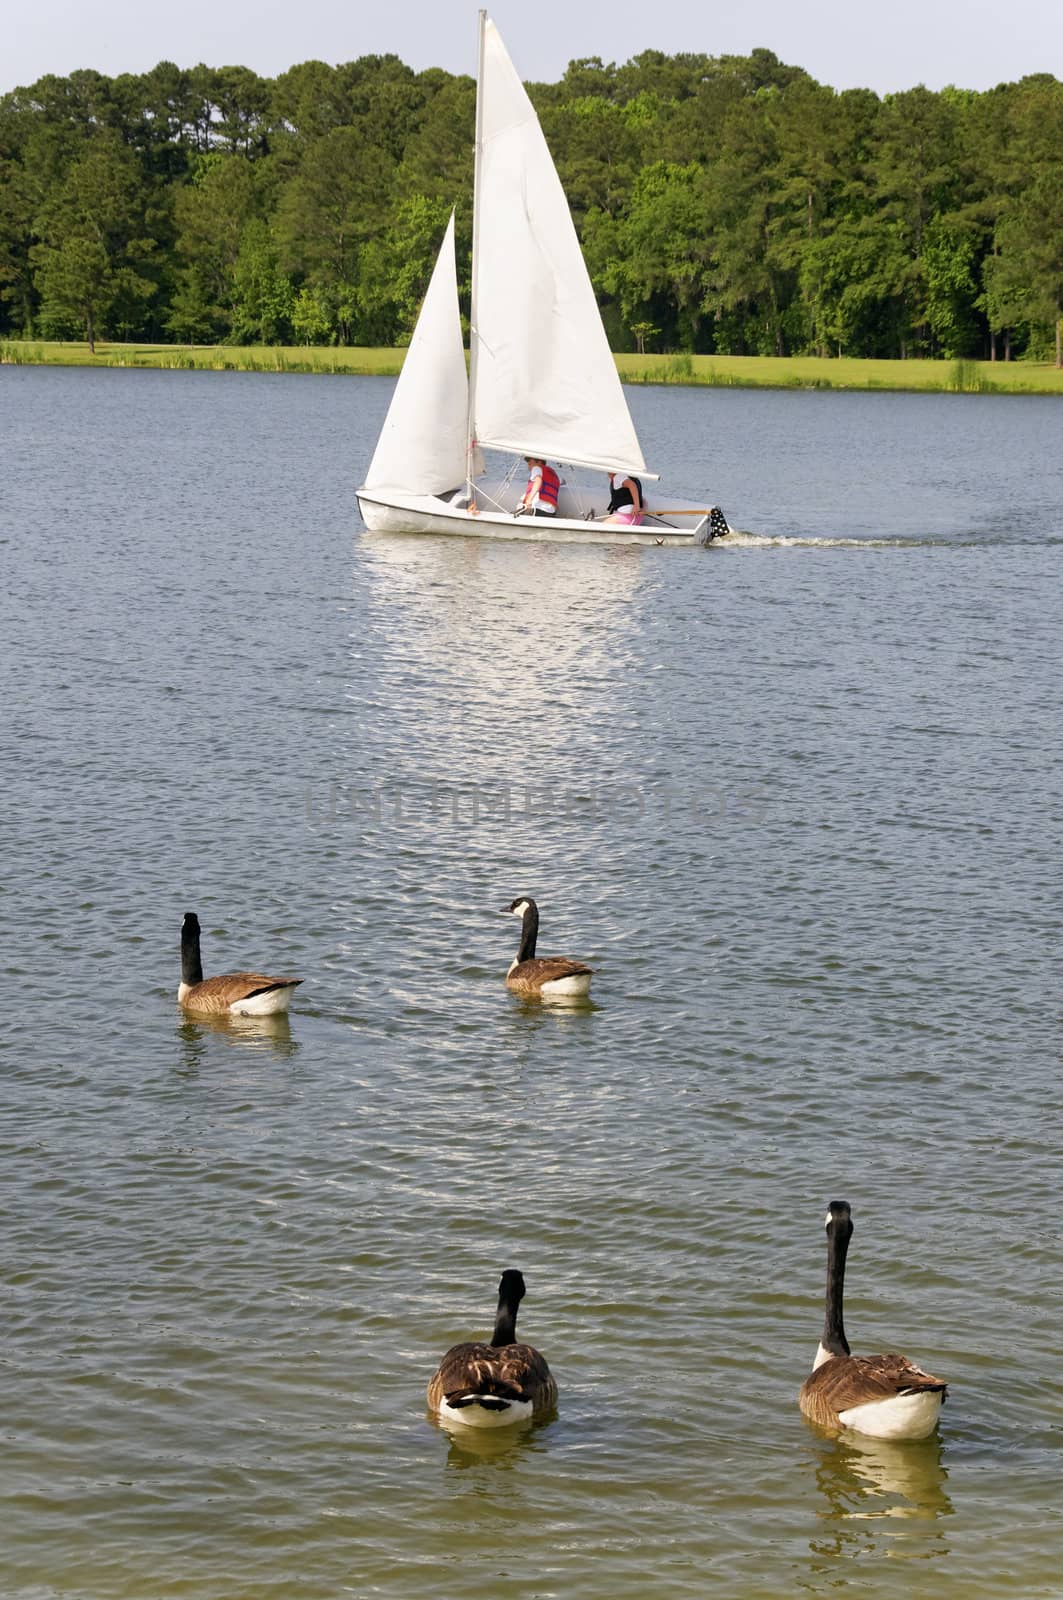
x=567 y=988
x=475 y=1416
x=904 y=1416
x=269 y=1004
x=264 y=1005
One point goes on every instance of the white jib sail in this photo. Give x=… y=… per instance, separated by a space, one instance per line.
x=545 y=380
x=422 y=445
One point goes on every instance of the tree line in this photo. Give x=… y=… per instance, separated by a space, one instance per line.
x=725 y=203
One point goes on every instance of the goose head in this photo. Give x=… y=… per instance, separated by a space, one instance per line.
x=520 y=906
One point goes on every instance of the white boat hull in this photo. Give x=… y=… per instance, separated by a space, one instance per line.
x=428 y=514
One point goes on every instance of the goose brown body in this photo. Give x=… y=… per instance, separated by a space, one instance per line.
x=247 y=993
x=480 y=1371
x=530 y=977
x=488 y=1384
x=844 y=1383
x=886 y=1396
x=543 y=976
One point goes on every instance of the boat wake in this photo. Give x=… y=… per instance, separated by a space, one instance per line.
x=737 y=540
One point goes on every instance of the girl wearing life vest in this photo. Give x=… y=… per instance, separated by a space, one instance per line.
x=540 y=493
x=625 y=501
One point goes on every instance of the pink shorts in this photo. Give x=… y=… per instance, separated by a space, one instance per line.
x=628 y=516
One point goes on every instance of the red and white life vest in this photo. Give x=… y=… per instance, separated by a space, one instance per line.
x=549 y=484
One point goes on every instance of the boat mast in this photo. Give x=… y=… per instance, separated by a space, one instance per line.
x=470 y=426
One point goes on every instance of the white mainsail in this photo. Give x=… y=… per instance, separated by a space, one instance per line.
x=422 y=445
x=544 y=379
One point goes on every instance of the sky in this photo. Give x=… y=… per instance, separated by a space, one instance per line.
x=844 y=43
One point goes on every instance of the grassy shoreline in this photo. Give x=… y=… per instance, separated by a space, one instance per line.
x=784 y=372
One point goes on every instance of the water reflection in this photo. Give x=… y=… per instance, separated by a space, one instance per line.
x=503 y=1447
x=534 y=1020
x=563 y=607
x=913 y=1475
x=877 y=1492
x=270 y=1035
x=503 y=674
x=537 y=1007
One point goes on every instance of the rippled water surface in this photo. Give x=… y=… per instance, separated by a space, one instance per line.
x=797 y=801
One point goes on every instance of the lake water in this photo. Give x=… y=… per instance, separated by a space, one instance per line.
x=797 y=801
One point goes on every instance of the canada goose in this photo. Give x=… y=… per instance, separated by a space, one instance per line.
x=490 y=1385
x=244 y=994
x=548 y=975
x=885 y=1396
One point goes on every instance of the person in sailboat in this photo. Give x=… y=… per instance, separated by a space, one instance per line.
x=540 y=492
x=625 y=499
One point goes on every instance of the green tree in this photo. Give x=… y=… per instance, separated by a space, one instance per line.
x=919 y=172
x=263 y=297
x=1005 y=292
x=745 y=286
x=724 y=202
x=328 y=212
x=598 y=154
x=848 y=278
x=437 y=160
x=587 y=78
x=311 y=317
x=309 y=100
x=814 y=182
x=212 y=213
x=1029 y=236
x=93 y=264
x=951 y=278
x=16 y=276
x=654 y=260
x=395 y=269
x=213 y=223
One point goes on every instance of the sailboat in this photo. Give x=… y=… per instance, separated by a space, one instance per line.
x=541 y=381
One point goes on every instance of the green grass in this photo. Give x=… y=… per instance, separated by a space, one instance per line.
x=201 y=358
x=844 y=372
x=783 y=372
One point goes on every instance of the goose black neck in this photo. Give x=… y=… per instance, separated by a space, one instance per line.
x=529 y=933
x=191 y=965
x=838 y=1236
x=510 y=1293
